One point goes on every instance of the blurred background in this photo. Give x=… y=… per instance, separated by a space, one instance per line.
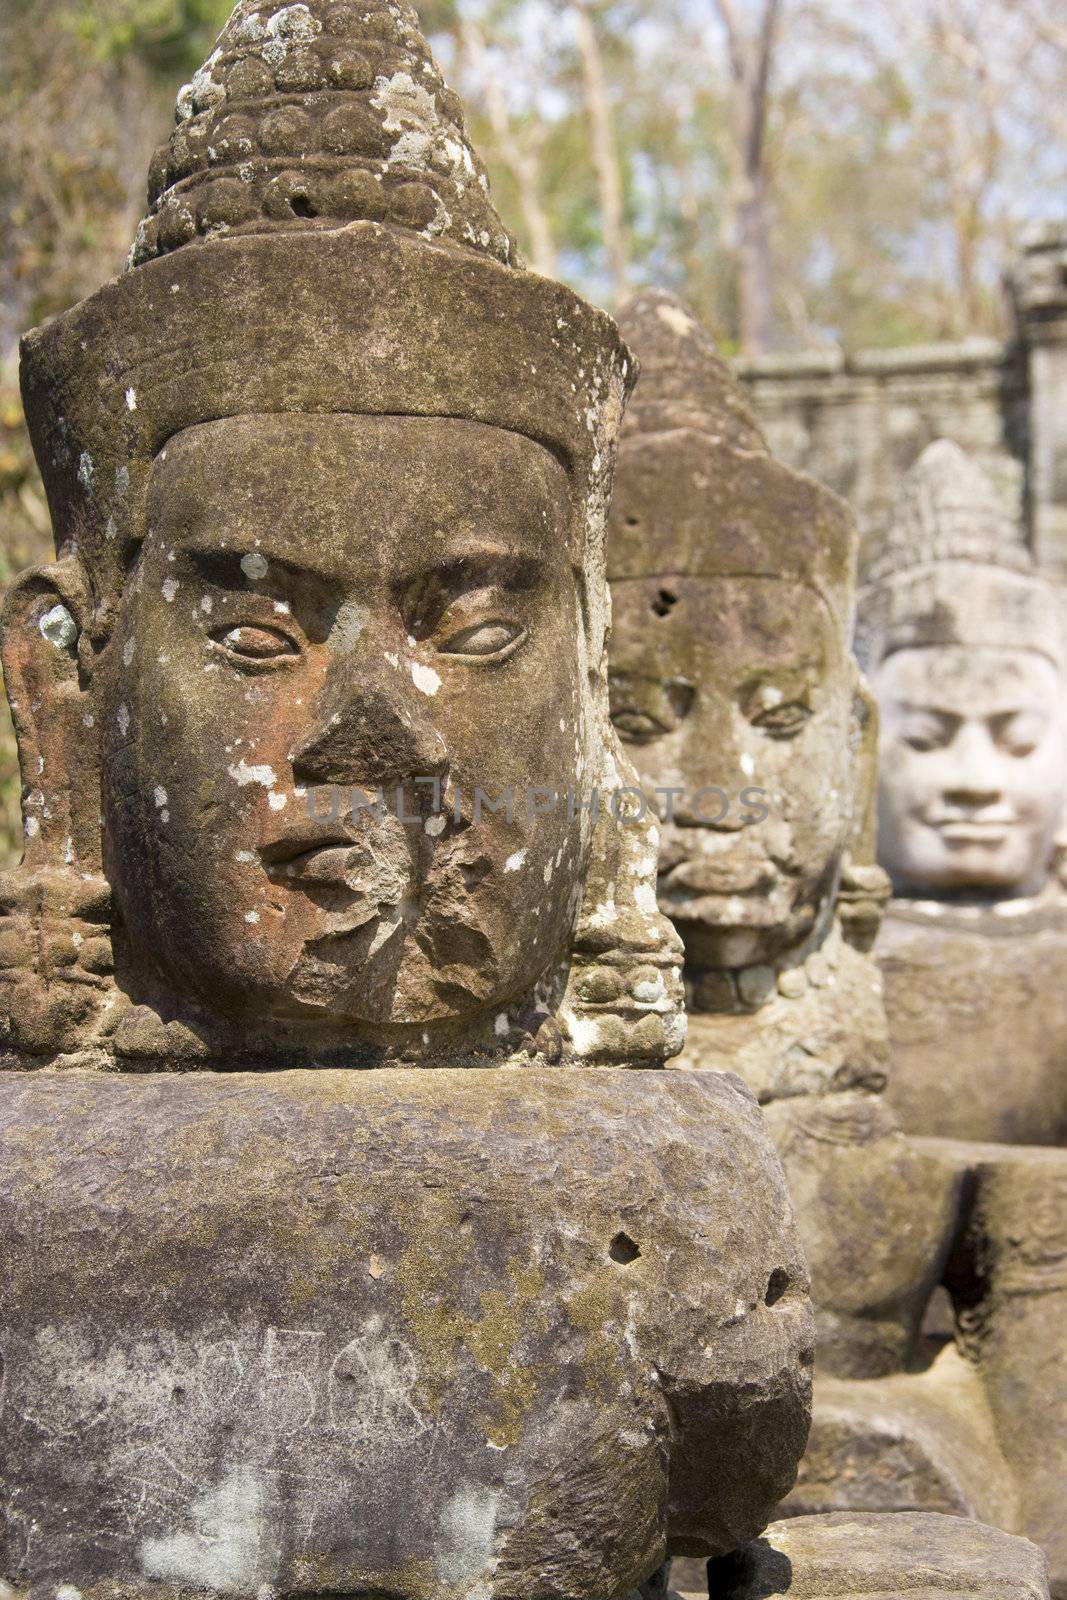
x=811 y=175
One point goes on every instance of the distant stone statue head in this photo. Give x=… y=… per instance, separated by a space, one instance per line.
x=328 y=474
x=732 y=684
x=963 y=643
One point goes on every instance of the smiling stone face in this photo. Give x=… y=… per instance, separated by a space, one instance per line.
x=339 y=602
x=973 y=769
x=731 y=691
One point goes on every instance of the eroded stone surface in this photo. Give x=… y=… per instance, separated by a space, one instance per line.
x=978 y=1032
x=815 y=1558
x=254 y=1340
x=318 y=114
x=922 y=1440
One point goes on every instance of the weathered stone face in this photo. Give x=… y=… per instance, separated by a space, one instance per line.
x=731 y=681
x=379 y=607
x=974 y=769
x=733 y=691
x=963 y=643
x=414 y=420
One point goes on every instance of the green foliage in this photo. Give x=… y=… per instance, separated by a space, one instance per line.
x=169 y=38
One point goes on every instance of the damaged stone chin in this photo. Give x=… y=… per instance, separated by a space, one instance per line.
x=399 y=934
x=403 y=964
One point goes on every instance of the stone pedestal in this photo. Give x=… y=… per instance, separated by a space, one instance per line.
x=977 y=1021
x=431 y=1334
x=980 y=1430
x=920 y=1557
x=916 y=1441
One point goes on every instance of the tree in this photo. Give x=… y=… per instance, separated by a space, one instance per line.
x=518 y=154
x=968 y=144
x=604 y=149
x=751 y=51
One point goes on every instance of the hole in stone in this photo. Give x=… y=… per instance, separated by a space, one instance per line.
x=777 y=1284
x=301 y=206
x=475 y=872
x=623 y=1249
x=633 y=522
x=681 y=696
x=177 y=1394
x=664 y=602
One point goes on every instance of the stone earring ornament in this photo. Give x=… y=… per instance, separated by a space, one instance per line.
x=56 y=963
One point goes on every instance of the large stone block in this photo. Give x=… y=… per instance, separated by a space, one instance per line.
x=976 y=1019
x=390 y=1333
x=888 y=1557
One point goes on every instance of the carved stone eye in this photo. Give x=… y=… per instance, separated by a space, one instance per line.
x=485 y=639
x=1019 y=734
x=637 y=727
x=783 y=722
x=253 y=643
x=926 y=733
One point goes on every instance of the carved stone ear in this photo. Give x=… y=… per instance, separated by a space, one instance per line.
x=864 y=889
x=44 y=622
x=863 y=741
x=56 y=973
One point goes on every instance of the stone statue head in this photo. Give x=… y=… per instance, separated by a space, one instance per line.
x=964 y=647
x=732 y=685
x=328 y=473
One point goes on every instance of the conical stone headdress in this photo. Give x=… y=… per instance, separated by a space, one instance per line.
x=953 y=570
x=697 y=490
x=319 y=114
x=320 y=239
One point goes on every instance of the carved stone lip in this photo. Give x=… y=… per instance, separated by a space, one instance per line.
x=333 y=861
x=988 y=833
x=326 y=863
x=304 y=835
x=715 y=877
x=291 y=852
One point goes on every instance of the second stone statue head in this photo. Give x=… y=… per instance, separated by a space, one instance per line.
x=732 y=684
x=323 y=648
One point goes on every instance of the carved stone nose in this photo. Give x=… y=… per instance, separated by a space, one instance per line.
x=371 y=737
x=714 y=807
x=973 y=795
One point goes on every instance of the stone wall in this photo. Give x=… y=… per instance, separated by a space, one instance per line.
x=858 y=422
